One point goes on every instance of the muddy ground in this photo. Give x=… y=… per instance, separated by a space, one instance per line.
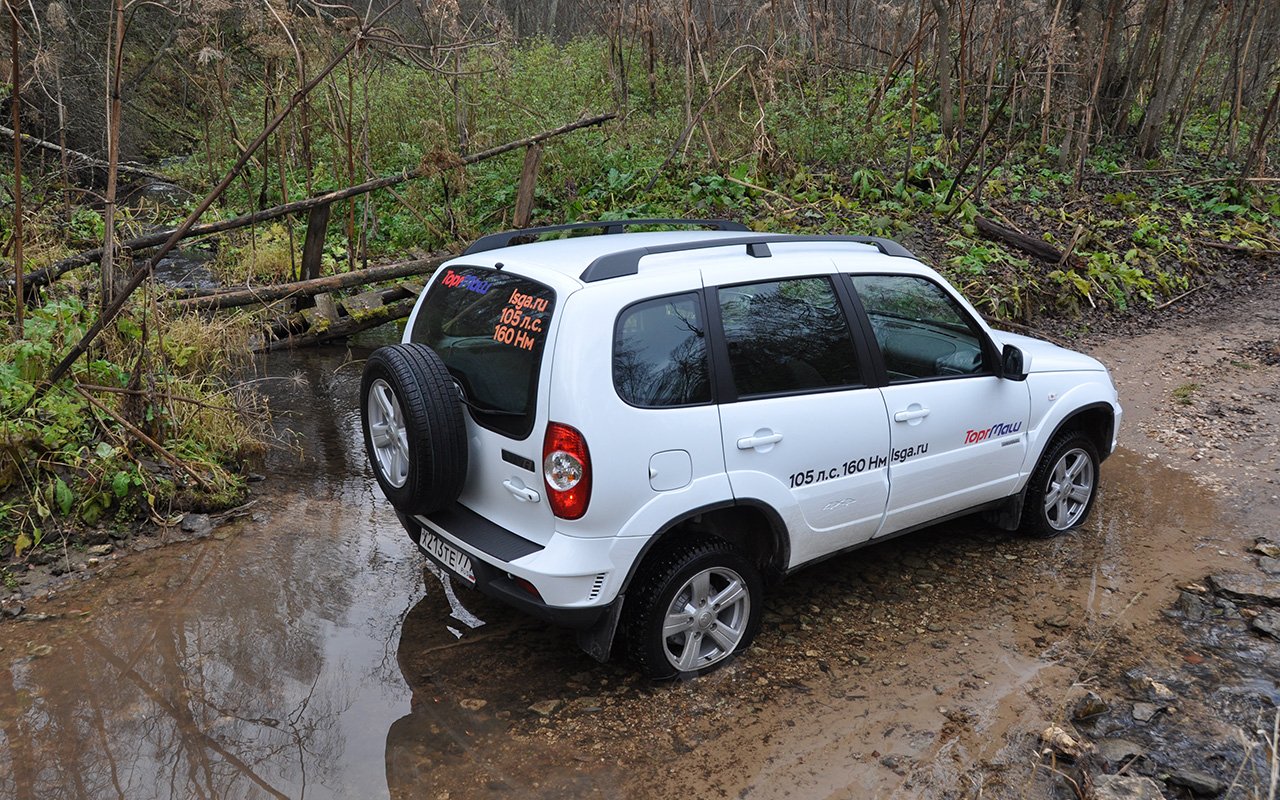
x=296 y=651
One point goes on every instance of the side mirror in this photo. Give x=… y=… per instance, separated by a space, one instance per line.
x=1014 y=364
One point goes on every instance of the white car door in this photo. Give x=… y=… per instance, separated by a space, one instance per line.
x=958 y=432
x=803 y=433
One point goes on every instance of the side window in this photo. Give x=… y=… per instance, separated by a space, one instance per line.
x=660 y=353
x=787 y=336
x=921 y=330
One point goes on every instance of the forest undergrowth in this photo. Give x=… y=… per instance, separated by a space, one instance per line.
x=151 y=421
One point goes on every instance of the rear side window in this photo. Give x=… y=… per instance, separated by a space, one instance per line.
x=660 y=353
x=921 y=330
x=787 y=336
x=489 y=328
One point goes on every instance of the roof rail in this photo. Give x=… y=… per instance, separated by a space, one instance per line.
x=493 y=241
x=627 y=262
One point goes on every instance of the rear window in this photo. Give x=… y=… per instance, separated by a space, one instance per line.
x=660 y=353
x=489 y=328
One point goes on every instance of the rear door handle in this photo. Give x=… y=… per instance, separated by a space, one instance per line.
x=522 y=493
x=915 y=413
x=750 y=442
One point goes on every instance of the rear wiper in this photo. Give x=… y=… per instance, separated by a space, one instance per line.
x=474 y=406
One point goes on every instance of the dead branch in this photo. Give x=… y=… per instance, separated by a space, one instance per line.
x=1235 y=248
x=267 y=294
x=45 y=276
x=98 y=163
x=147 y=440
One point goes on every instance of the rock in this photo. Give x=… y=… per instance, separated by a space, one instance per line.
x=11 y=608
x=1060 y=621
x=1192 y=606
x=1064 y=742
x=1091 y=705
x=1246 y=588
x=1269 y=565
x=1267 y=623
x=1117 y=751
x=472 y=704
x=100 y=550
x=1200 y=783
x=39 y=650
x=197 y=525
x=1267 y=548
x=546 y=708
x=1144 y=712
x=1126 y=787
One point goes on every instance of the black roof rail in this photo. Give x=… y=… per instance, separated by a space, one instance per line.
x=493 y=241
x=627 y=262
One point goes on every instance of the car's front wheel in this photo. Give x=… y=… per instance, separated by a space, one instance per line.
x=1063 y=487
x=693 y=609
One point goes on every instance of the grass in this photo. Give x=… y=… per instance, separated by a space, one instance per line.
x=1185 y=394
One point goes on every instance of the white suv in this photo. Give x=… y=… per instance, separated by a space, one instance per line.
x=635 y=433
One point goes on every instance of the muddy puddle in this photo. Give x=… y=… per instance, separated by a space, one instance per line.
x=301 y=651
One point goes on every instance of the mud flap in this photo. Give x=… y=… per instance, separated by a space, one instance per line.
x=597 y=641
x=1008 y=515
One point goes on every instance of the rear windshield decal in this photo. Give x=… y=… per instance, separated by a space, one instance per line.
x=516 y=327
x=469 y=282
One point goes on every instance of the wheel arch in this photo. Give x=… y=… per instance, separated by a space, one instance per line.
x=1095 y=420
x=752 y=526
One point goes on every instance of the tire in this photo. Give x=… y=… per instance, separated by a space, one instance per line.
x=414 y=433
x=692 y=577
x=1062 y=488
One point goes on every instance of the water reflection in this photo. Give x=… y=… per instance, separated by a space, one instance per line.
x=259 y=666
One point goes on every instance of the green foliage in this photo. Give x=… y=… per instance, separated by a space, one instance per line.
x=64 y=462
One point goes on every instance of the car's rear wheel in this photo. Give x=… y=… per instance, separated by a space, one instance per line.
x=692 y=610
x=1063 y=487
x=414 y=433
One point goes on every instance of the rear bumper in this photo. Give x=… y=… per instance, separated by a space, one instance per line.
x=498 y=583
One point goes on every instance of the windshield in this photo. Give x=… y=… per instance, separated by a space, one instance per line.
x=489 y=327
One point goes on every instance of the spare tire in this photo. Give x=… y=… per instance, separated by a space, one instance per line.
x=414 y=432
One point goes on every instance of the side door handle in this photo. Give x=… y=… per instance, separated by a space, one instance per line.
x=751 y=442
x=910 y=414
x=522 y=493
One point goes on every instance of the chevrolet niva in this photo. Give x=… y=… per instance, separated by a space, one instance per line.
x=634 y=433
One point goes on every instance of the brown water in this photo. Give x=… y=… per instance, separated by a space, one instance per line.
x=300 y=653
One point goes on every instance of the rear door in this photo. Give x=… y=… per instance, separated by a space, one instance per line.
x=802 y=431
x=958 y=433
x=492 y=328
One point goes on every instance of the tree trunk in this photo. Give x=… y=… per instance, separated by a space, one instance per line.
x=946 y=67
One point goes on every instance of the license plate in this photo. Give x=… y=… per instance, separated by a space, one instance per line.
x=448 y=556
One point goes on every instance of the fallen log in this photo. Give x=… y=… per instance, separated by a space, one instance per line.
x=268 y=294
x=343 y=328
x=46 y=275
x=299 y=322
x=1027 y=244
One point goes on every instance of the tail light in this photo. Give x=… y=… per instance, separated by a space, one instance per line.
x=566 y=468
